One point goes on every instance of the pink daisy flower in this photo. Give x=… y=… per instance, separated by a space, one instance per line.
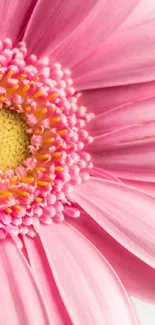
x=77 y=161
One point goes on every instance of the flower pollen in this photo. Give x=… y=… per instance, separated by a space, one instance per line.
x=42 y=138
x=14 y=140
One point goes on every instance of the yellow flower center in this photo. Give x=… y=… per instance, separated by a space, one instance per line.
x=14 y=140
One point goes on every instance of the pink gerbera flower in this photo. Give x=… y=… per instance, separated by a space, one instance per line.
x=77 y=162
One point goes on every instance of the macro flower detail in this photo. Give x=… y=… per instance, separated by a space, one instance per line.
x=77 y=161
x=38 y=189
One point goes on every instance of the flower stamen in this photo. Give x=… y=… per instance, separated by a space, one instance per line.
x=42 y=141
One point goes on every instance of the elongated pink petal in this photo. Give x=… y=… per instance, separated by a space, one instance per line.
x=39 y=261
x=100 y=100
x=122 y=60
x=97 y=26
x=21 y=300
x=124 y=145
x=124 y=212
x=134 y=161
x=137 y=277
x=9 y=11
x=142 y=12
x=101 y=173
x=88 y=285
x=124 y=138
x=117 y=118
x=58 y=20
x=145 y=187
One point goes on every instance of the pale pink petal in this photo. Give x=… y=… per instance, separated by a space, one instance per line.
x=146 y=187
x=14 y=16
x=21 y=302
x=121 y=60
x=135 y=161
x=142 y=12
x=101 y=173
x=90 y=289
x=99 y=100
x=125 y=213
x=137 y=277
x=124 y=138
x=53 y=21
x=39 y=261
x=102 y=21
x=116 y=118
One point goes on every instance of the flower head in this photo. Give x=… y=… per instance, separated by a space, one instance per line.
x=44 y=156
x=76 y=139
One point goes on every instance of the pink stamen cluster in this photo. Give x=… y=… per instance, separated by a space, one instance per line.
x=39 y=190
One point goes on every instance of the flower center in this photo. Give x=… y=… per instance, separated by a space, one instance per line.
x=14 y=140
x=42 y=142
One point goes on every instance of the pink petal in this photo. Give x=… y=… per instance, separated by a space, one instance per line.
x=97 y=26
x=39 y=261
x=146 y=187
x=99 y=100
x=142 y=12
x=9 y=11
x=21 y=300
x=53 y=21
x=101 y=173
x=134 y=161
x=91 y=291
x=124 y=141
x=113 y=119
x=137 y=277
x=125 y=213
x=122 y=60
x=124 y=138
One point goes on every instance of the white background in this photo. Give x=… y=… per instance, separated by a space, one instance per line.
x=145 y=311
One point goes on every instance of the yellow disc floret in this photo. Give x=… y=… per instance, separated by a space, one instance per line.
x=14 y=140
